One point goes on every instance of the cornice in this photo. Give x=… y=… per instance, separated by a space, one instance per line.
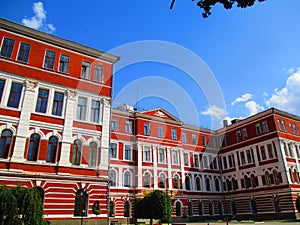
x=36 y=34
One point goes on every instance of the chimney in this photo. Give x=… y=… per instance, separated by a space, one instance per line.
x=225 y=123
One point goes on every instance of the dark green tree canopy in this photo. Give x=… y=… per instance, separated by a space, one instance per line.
x=156 y=205
x=206 y=5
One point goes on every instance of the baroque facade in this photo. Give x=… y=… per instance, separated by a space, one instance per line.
x=60 y=134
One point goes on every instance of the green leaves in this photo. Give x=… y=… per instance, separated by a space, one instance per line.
x=156 y=205
x=20 y=206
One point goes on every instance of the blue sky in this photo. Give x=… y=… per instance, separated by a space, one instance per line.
x=253 y=54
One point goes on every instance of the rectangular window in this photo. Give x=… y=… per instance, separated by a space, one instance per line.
x=15 y=95
x=23 y=53
x=243 y=160
x=114 y=124
x=225 y=166
x=128 y=127
x=194 y=139
x=85 y=70
x=263 y=153
x=2 y=83
x=270 y=151
x=161 y=155
x=196 y=161
x=183 y=137
x=147 y=154
x=279 y=125
x=238 y=136
x=98 y=73
x=95 y=111
x=64 y=63
x=215 y=163
x=146 y=129
x=127 y=152
x=284 y=126
x=175 y=157
x=249 y=156
x=7 y=47
x=49 y=60
x=160 y=132
x=230 y=161
x=245 y=134
x=186 y=158
x=113 y=150
x=265 y=126
x=205 y=162
x=174 y=134
x=203 y=140
x=296 y=129
x=57 y=104
x=41 y=104
x=258 y=129
x=81 y=108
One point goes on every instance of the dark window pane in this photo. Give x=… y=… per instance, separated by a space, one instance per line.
x=15 y=95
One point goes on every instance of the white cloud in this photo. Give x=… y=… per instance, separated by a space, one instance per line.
x=287 y=98
x=38 y=21
x=253 y=107
x=215 y=112
x=243 y=98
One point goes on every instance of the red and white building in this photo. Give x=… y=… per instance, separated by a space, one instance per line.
x=55 y=108
x=59 y=133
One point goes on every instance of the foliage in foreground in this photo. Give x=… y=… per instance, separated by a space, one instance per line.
x=21 y=206
x=156 y=205
x=206 y=5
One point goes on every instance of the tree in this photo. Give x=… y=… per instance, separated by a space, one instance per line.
x=20 y=206
x=156 y=205
x=206 y=5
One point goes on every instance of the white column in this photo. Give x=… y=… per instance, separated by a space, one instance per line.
x=285 y=173
x=154 y=158
x=182 y=168
x=169 y=163
x=68 y=125
x=24 y=121
x=139 y=165
x=105 y=138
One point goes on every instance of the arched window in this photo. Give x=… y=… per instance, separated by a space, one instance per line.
x=228 y=185
x=52 y=149
x=233 y=207
x=207 y=184
x=200 y=208
x=112 y=178
x=198 y=184
x=33 y=147
x=111 y=209
x=276 y=204
x=81 y=203
x=126 y=209
x=5 y=143
x=190 y=208
x=220 y=208
x=211 y=208
x=76 y=155
x=235 y=185
x=162 y=180
x=253 y=206
x=253 y=181
x=93 y=154
x=267 y=178
x=276 y=177
x=176 y=181
x=41 y=193
x=217 y=184
x=247 y=181
x=147 y=180
x=187 y=183
x=178 y=209
x=127 y=179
